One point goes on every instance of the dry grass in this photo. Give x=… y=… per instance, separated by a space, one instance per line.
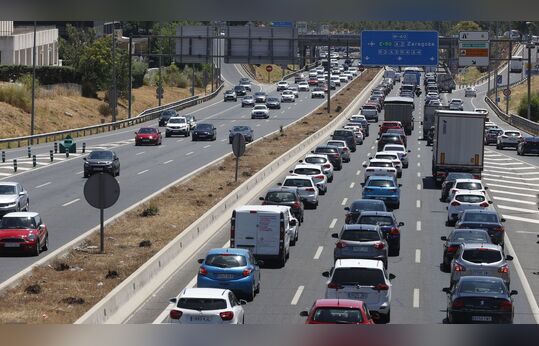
x=469 y=76
x=275 y=75
x=517 y=92
x=71 y=287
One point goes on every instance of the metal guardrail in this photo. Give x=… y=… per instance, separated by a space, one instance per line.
x=514 y=119
x=146 y=115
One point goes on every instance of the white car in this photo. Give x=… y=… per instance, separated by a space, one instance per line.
x=260 y=111
x=13 y=198
x=400 y=150
x=470 y=92
x=318 y=93
x=313 y=73
x=288 y=96
x=394 y=157
x=314 y=171
x=467 y=184
x=282 y=85
x=294 y=90
x=456 y=105
x=177 y=125
x=380 y=167
x=321 y=79
x=303 y=86
x=306 y=187
x=349 y=75
x=362 y=279
x=343 y=78
x=357 y=117
x=206 y=306
x=323 y=161
x=508 y=138
x=353 y=71
x=464 y=200
x=336 y=80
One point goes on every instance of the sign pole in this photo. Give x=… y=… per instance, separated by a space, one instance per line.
x=329 y=77
x=529 y=79
x=510 y=52
x=237 y=168
x=101 y=230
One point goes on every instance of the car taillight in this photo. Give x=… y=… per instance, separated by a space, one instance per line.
x=327 y=165
x=452 y=249
x=394 y=231
x=226 y=315
x=483 y=205
x=379 y=246
x=344 y=149
x=499 y=229
x=381 y=287
x=503 y=269
x=455 y=204
x=203 y=271
x=457 y=304
x=337 y=155
x=340 y=245
x=459 y=268
x=335 y=286
x=506 y=305
x=477 y=176
x=175 y=314
x=310 y=189
x=296 y=205
x=246 y=272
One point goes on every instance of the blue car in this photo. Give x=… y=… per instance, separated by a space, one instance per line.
x=389 y=226
x=383 y=188
x=233 y=269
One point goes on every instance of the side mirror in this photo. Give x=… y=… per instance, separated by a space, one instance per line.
x=173 y=300
x=243 y=302
x=513 y=293
x=490 y=202
x=370 y=157
x=279 y=184
x=392 y=276
x=214 y=128
x=325 y=274
x=365 y=165
x=229 y=130
x=293 y=222
x=335 y=235
x=509 y=257
x=290 y=171
x=401 y=224
x=446 y=290
x=312 y=151
x=502 y=220
x=260 y=198
x=300 y=161
x=400 y=185
x=444 y=238
x=83 y=159
x=200 y=260
x=259 y=263
x=304 y=314
x=136 y=133
x=22 y=193
x=486 y=187
x=409 y=151
x=347 y=208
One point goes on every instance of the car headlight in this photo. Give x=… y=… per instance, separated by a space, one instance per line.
x=31 y=237
x=151 y=137
x=86 y=163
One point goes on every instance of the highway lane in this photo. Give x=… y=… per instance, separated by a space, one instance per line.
x=417 y=290
x=56 y=190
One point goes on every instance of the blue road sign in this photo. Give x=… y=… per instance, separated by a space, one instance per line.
x=282 y=24
x=399 y=48
x=499 y=79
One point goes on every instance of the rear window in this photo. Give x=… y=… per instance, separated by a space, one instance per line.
x=470 y=198
x=279 y=197
x=482 y=287
x=381 y=183
x=482 y=256
x=380 y=164
x=337 y=144
x=358 y=276
x=307 y=171
x=360 y=235
x=480 y=217
x=326 y=150
x=469 y=237
x=315 y=160
x=375 y=220
x=298 y=183
x=368 y=206
x=202 y=304
x=509 y=133
x=337 y=315
x=343 y=133
x=226 y=261
x=469 y=186
x=386 y=157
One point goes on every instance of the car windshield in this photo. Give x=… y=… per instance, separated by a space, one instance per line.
x=147 y=130
x=272 y=99
x=482 y=255
x=480 y=217
x=167 y=114
x=259 y=93
x=358 y=276
x=380 y=164
x=307 y=171
x=380 y=183
x=240 y=128
x=239 y=88
x=248 y=98
x=100 y=155
x=7 y=190
x=375 y=220
x=469 y=186
x=177 y=121
x=370 y=205
x=469 y=237
x=18 y=223
x=205 y=127
x=260 y=107
x=482 y=286
x=315 y=160
x=202 y=304
x=298 y=183
x=360 y=235
x=337 y=315
x=225 y=261
x=280 y=196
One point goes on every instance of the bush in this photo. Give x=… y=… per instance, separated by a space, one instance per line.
x=47 y=75
x=523 y=107
x=104 y=109
x=152 y=210
x=138 y=71
x=17 y=96
x=26 y=81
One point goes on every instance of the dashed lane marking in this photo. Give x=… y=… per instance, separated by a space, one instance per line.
x=69 y=203
x=417 y=255
x=352 y=185
x=418 y=226
x=142 y=172
x=332 y=224
x=318 y=252
x=296 y=297
x=43 y=185
x=344 y=201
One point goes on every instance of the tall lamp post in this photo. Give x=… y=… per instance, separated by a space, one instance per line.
x=529 y=46
x=33 y=117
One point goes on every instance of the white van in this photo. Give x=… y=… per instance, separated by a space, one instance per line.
x=515 y=65
x=266 y=230
x=389 y=73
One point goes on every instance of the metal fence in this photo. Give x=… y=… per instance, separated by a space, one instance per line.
x=515 y=120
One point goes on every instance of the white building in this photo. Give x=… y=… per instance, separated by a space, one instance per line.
x=16 y=45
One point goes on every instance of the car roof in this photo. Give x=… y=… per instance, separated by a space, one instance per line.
x=462 y=180
x=8 y=183
x=197 y=292
x=178 y=117
x=306 y=177
x=392 y=153
x=469 y=246
x=317 y=155
x=273 y=208
x=381 y=177
x=22 y=214
x=345 y=303
x=232 y=251
x=359 y=263
x=395 y=145
x=288 y=189
x=308 y=165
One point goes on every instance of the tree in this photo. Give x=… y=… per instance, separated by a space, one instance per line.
x=69 y=49
x=465 y=26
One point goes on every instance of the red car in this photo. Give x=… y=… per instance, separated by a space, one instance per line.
x=23 y=232
x=148 y=135
x=313 y=81
x=389 y=125
x=338 y=311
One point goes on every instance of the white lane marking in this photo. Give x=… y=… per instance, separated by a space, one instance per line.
x=418 y=149
x=488 y=159
x=206 y=146
x=223 y=140
x=257 y=125
x=368 y=154
x=267 y=120
x=180 y=140
x=514 y=200
x=419 y=163
x=417 y=255
x=501 y=165
x=233 y=121
x=352 y=185
x=243 y=116
x=68 y=203
x=189 y=153
x=419 y=186
x=418 y=204
x=513 y=187
x=344 y=201
x=418 y=226
x=358 y=172
x=418 y=156
x=363 y=163
x=79 y=172
x=513 y=193
x=167 y=162
x=42 y=185
x=299 y=291
x=332 y=224
x=372 y=147
x=527 y=211
x=418 y=174
x=416 y=298
x=142 y=152
x=221 y=125
x=512 y=182
x=318 y=252
x=508 y=177
x=527 y=232
x=5 y=174
x=142 y=172
x=506 y=172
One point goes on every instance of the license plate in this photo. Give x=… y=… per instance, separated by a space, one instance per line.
x=353 y=295
x=98 y=168
x=200 y=318
x=360 y=249
x=12 y=245
x=225 y=276
x=479 y=272
x=482 y=318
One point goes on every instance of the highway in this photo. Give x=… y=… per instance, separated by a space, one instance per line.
x=417 y=290
x=56 y=190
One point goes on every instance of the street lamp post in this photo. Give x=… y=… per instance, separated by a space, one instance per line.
x=530 y=46
x=33 y=117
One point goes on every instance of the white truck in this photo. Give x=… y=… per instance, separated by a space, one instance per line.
x=266 y=230
x=458 y=143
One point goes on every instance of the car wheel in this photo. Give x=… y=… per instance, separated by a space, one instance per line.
x=293 y=241
x=257 y=290
x=394 y=251
x=38 y=249
x=330 y=180
x=282 y=261
x=136 y=144
x=498 y=146
x=27 y=207
x=167 y=135
x=18 y=207
x=229 y=141
x=118 y=173
x=251 y=295
x=399 y=175
x=385 y=318
x=85 y=175
x=46 y=245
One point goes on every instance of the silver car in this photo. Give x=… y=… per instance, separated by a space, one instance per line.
x=306 y=187
x=343 y=146
x=480 y=260
x=13 y=198
x=361 y=241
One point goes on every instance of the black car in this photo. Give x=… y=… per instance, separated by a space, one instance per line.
x=529 y=145
x=479 y=299
x=449 y=181
x=430 y=136
x=457 y=237
x=288 y=197
x=389 y=138
x=332 y=154
x=273 y=103
x=345 y=135
x=204 y=132
x=165 y=115
x=240 y=90
x=246 y=131
x=361 y=205
x=484 y=219
x=98 y=161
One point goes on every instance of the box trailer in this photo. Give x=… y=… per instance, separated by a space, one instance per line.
x=400 y=109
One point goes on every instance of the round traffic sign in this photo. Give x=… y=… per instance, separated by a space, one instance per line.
x=506 y=92
x=101 y=190
x=238 y=145
x=269 y=68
